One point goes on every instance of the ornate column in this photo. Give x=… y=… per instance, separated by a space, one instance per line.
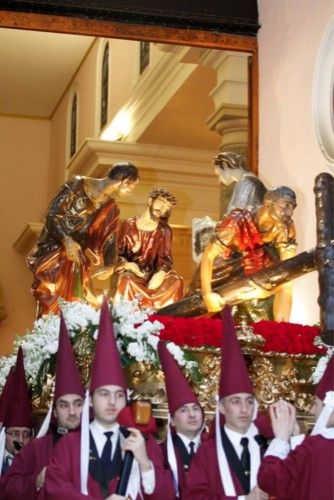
x=230 y=97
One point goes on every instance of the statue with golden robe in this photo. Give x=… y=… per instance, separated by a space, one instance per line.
x=244 y=243
x=80 y=229
x=145 y=255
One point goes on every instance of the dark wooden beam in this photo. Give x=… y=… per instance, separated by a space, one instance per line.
x=228 y=16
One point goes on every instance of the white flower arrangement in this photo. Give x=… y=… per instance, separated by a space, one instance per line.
x=137 y=337
x=323 y=361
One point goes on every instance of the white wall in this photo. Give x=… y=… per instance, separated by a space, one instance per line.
x=289 y=39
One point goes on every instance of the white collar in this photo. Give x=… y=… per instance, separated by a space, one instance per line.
x=98 y=427
x=235 y=436
x=98 y=433
x=186 y=441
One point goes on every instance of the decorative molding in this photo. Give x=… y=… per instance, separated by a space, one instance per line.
x=230 y=97
x=155 y=88
x=28 y=238
x=90 y=154
x=188 y=173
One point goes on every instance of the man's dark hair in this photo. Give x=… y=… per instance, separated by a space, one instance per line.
x=275 y=193
x=229 y=159
x=163 y=193
x=122 y=171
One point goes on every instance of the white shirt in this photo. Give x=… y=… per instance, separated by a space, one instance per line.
x=147 y=477
x=100 y=439
x=186 y=441
x=254 y=450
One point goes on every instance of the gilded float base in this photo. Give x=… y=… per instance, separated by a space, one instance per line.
x=274 y=376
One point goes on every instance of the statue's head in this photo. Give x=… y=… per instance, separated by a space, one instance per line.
x=160 y=203
x=229 y=166
x=125 y=174
x=280 y=203
x=123 y=170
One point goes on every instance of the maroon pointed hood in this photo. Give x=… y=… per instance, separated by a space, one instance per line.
x=68 y=379
x=178 y=390
x=18 y=412
x=106 y=366
x=234 y=376
x=6 y=392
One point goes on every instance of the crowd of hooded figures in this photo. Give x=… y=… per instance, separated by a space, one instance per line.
x=90 y=444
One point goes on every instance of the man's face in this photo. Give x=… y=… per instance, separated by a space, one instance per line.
x=227 y=174
x=68 y=410
x=188 y=420
x=122 y=188
x=20 y=435
x=126 y=187
x=282 y=209
x=158 y=208
x=238 y=410
x=224 y=175
x=107 y=402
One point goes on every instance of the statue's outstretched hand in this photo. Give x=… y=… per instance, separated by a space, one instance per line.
x=156 y=280
x=73 y=249
x=132 y=267
x=213 y=301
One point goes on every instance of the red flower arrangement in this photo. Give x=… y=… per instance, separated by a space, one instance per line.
x=290 y=338
x=282 y=337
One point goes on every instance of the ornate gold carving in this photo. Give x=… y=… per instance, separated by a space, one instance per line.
x=277 y=375
x=274 y=376
x=83 y=346
x=43 y=399
x=209 y=367
x=145 y=382
x=249 y=340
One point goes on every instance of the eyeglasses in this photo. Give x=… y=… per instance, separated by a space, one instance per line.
x=19 y=434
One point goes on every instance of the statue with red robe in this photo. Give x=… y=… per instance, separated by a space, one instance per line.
x=145 y=255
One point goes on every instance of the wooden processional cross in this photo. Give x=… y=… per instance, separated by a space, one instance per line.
x=321 y=258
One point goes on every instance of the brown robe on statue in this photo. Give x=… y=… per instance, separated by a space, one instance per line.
x=152 y=252
x=71 y=213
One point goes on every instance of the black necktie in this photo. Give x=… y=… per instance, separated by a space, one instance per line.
x=245 y=461
x=192 y=450
x=106 y=453
x=262 y=442
x=7 y=463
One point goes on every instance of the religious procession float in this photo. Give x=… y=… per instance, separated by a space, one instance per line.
x=285 y=360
